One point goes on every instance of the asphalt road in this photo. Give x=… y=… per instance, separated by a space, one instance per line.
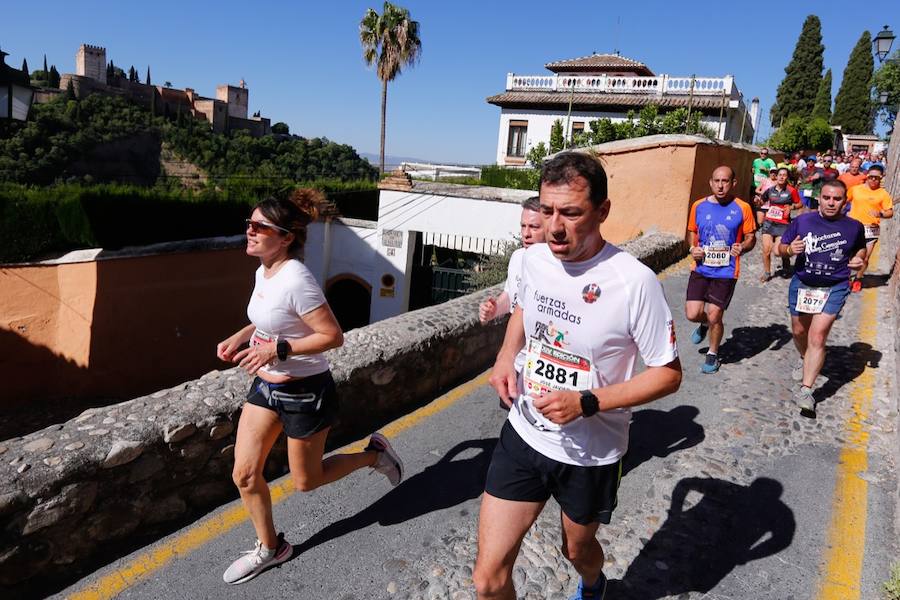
x=763 y=486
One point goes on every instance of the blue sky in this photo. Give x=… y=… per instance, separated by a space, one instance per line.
x=303 y=63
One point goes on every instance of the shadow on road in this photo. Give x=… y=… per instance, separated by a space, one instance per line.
x=702 y=542
x=843 y=364
x=444 y=484
x=746 y=342
x=659 y=433
x=875 y=281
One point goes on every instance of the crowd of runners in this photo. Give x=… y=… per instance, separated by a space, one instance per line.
x=582 y=313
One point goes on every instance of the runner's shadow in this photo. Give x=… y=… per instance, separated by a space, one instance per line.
x=703 y=541
x=875 y=281
x=659 y=433
x=843 y=364
x=444 y=484
x=746 y=342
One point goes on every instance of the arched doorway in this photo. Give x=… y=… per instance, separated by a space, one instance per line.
x=350 y=299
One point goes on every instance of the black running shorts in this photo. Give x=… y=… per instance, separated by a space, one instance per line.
x=713 y=290
x=520 y=473
x=304 y=406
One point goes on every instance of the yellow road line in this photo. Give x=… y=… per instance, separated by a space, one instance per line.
x=841 y=579
x=210 y=528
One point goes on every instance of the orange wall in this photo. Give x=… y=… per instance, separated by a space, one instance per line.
x=117 y=328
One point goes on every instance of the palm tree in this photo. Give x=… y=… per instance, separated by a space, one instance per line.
x=390 y=41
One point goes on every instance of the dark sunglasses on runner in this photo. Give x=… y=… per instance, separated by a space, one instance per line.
x=262 y=226
x=873 y=176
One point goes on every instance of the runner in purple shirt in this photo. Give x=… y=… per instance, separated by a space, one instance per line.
x=828 y=244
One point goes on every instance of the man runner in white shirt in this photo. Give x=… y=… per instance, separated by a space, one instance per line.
x=531 y=229
x=587 y=310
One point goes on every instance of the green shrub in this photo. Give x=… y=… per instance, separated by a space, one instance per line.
x=892 y=585
x=519 y=179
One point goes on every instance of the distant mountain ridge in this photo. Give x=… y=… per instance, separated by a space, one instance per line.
x=391 y=161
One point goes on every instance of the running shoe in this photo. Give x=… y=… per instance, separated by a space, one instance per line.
x=711 y=365
x=805 y=401
x=797 y=371
x=699 y=334
x=595 y=592
x=856 y=286
x=255 y=561
x=388 y=462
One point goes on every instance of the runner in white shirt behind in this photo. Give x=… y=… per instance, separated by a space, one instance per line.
x=531 y=230
x=586 y=312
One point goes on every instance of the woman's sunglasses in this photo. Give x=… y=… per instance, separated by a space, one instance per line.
x=262 y=226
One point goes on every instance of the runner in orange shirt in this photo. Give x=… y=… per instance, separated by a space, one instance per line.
x=869 y=204
x=854 y=176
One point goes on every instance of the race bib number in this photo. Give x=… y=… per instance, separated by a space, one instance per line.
x=261 y=337
x=549 y=369
x=808 y=192
x=812 y=300
x=872 y=231
x=716 y=256
x=775 y=212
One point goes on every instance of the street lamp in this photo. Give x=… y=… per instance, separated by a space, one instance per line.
x=16 y=93
x=883 y=42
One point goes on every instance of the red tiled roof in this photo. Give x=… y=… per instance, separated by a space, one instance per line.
x=600 y=62
x=588 y=101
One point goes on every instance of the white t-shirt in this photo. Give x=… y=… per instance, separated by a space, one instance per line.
x=275 y=309
x=511 y=287
x=597 y=315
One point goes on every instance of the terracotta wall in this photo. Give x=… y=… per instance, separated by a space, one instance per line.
x=116 y=329
x=651 y=186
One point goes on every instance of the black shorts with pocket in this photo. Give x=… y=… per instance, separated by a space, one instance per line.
x=304 y=406
x=520 y=473
x=714 y=290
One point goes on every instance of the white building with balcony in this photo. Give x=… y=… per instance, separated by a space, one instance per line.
x=592 y=87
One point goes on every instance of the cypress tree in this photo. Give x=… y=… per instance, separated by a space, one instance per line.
x=148 y=75
x=45 y=63
x=823 y=98
x=25 y=67
x=70 y=91
x=53 y=77
x=556 y=136
x=853 y=107
x=797 y=92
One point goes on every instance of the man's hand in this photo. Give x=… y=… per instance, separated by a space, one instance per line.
x=487 y=310
x=737 y=249
x=856 y=263
x=798 y=246
x=504 y=381
x=876 y=214
x=561 y=407
x=697 y=253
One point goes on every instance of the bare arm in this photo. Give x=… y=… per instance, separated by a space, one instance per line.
x=503 y=376
x=655 y=382
x=225 y=349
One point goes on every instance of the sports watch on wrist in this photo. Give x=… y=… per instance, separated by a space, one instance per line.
x=590 y=405
x=282 y=349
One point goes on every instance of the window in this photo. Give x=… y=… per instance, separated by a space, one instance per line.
x=518 y=134
x=577 y=129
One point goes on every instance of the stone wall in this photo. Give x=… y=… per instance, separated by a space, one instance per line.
x=145 y=465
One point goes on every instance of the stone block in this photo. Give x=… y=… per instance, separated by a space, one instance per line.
x=221 y=430
x=146 y=467
x=72 y=500
x=167 y=509
x=177 y=433
x=122 y=452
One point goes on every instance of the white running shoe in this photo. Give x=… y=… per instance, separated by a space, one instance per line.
x=255 y=561
x=805 y=401
x=388 y=462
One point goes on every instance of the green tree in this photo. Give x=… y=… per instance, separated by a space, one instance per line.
x=791 y=136
x=390 y=41
x=25 y=67
x=70 y=92
x=537 y=154
x=797 y=91
x=281 y=128
x=45 y=64
x=147 y=81
x=853 y=108
x=887 y=81
x=53 y=78
x=556 y=136
x=822 y=107
x=819 y=134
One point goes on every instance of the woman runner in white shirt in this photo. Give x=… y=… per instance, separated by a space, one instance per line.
x=293 y=391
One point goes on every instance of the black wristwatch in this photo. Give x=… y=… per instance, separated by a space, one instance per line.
x=590 y=405
x=282 y=349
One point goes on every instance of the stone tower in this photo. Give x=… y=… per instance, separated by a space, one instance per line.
x=90 y=62
x=237 y=98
